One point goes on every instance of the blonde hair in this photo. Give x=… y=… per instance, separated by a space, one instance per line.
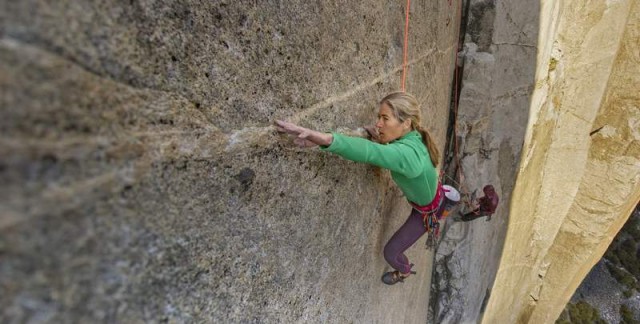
x=405 y=106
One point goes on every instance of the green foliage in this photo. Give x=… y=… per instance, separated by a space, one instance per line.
x=627 y=315
x=623 y=253
x=622 y=276
x=627 y=293
x=552 y=64
x=580 y=313
x=612 y=257
x=564 y=316
x=632 y=227
x=628 y=257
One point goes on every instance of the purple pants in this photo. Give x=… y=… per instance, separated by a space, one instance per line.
x=404 y=238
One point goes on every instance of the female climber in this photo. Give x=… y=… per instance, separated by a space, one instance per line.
x=407 y=150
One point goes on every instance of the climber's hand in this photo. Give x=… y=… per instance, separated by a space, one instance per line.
x=373 y=132
x=300 y=133
x=304 y=137
x=289 y=128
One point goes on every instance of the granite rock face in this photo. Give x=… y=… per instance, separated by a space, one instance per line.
x=498 y=59
x=579 y=178
x=142 y=179
x=566 y=82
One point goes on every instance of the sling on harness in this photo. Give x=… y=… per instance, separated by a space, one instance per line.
x=429 y=212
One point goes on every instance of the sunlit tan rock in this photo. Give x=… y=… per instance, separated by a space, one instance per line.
x=579 y=177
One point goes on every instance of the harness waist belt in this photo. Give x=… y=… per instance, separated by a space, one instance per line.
x=433 y=206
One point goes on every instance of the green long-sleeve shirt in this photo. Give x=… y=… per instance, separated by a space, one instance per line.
x=407 y=158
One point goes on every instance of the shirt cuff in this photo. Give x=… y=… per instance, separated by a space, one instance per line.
x=329 y=147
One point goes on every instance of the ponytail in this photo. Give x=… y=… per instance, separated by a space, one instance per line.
x=431 y=146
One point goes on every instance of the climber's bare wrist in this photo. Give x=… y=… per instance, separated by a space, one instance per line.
x=326 y=139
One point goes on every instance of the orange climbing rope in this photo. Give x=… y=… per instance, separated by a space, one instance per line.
x=406 y=44
x=459 y=171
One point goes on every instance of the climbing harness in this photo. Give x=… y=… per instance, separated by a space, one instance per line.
x=446 y=197
x=429 y=212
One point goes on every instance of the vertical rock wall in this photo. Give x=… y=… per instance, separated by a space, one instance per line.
x=499 y=65
x=142 y=181
x=579 y=177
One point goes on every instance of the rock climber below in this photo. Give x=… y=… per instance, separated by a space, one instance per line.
x=487 y=205
x=400 y=144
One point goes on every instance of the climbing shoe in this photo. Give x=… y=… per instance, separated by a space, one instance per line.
x=393 y=277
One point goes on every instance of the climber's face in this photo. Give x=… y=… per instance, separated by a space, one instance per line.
x=389 y=127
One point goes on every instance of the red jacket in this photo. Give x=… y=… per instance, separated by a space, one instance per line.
x=489 y=202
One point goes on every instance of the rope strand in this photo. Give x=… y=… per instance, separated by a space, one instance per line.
x=406 y=45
